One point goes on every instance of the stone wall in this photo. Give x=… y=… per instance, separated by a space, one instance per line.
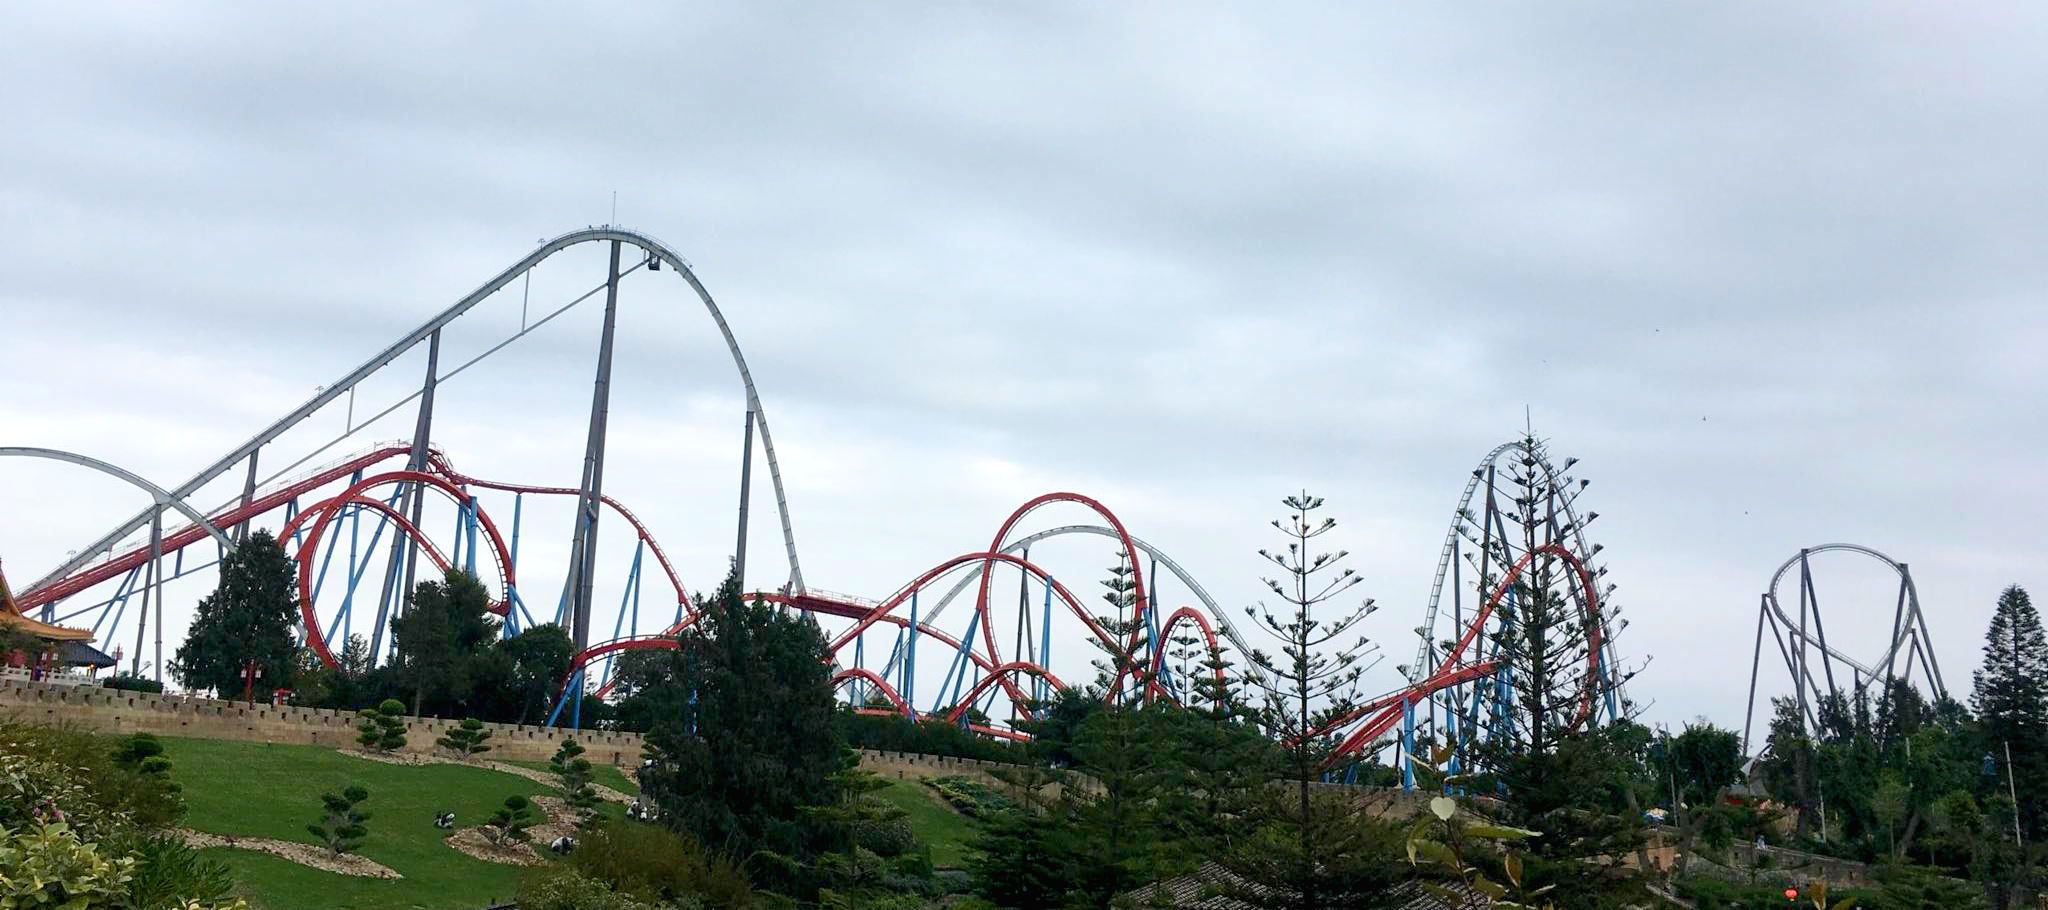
x=117 y=711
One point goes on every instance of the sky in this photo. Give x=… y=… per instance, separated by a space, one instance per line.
x=1770 y=273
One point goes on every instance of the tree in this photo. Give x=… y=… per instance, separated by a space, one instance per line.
x=382 y=728
x=341 y=826
x=745 y=735
x=1309 y=853
x=572 y=774
x=2011 y=701
x=438 y=638
x=246 y=623
x=509 y=823
x=466 y=739
x=528 y=668
x=1702 y=763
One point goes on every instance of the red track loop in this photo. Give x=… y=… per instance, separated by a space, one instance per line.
x=1009 y=687
x=328 y=509
x=1390 y=708
x=1130 y=555
x=1190 y=614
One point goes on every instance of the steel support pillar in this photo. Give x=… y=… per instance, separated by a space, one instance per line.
x=739 y=557
x=592 y=494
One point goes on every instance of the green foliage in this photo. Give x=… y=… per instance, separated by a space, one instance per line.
x=659 y=867
x=971 y=797
x=2011 y=701
x=515 y=679
x=1921 y=888
x=1308 y=851
x=47 y=865
x=508 y=825
x=1021 y=861
x=467 y=739
x=440 y=641
x=896 y=733
x=573 y=773
x=341 y=827
x=131 y=683
x=248 y=618
x=1578 y=794
x=382 y=728
x=168 y=873
x=745 y=735
x=563 y=888
x=73 y=771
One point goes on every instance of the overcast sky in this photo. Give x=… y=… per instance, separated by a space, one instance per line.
x=1772 y=273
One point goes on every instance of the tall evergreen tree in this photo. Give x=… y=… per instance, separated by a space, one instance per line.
x=247 y=619
x=2011 y=701
x=1310 y=853
x=744 y=735
x=438 y=638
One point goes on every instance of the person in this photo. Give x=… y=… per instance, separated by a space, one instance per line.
x=1759 y=842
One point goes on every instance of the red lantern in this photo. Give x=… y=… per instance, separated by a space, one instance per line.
x=1791 y=894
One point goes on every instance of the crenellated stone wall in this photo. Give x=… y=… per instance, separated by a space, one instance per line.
x=117 y=711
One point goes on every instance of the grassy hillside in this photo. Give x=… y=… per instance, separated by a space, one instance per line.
x=948 y=832
x=274 y=791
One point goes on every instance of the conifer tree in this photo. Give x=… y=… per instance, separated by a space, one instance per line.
x=1312 y=851
x=745 y=734
x=247 y=620
x=2011 y=701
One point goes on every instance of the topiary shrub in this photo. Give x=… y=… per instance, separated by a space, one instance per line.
x=508 y=825
x=382 y=728
x=341 y=827
x=573 y=774
x=466 y=740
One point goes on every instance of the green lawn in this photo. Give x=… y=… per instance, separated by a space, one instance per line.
x=932 y=821
x=274 y=791
x=601 y=774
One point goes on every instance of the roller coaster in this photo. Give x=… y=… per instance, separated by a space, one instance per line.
x=357 y=526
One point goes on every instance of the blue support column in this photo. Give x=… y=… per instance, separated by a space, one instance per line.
x=1045 y=643
x=909 y=687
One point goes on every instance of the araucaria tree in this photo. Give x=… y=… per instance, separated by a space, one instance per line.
x=1312 y=851
x=2011 y=701
x=341 y=827
x=246 y=624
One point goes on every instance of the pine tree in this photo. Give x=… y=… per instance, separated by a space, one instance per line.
x=1312 y=852
x=2011 y=701
x=248 y=619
